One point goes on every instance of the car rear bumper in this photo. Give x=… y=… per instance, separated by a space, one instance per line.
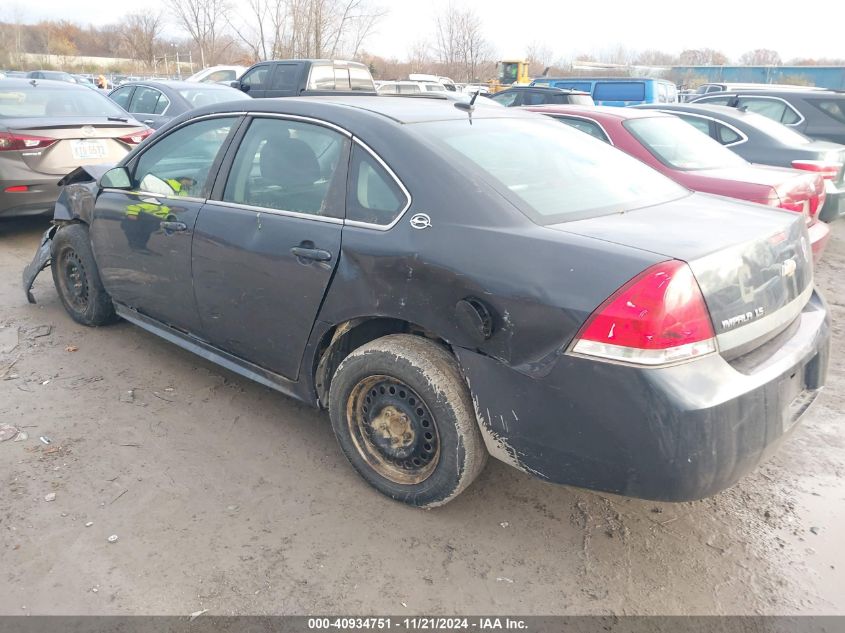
x=819 y=235
x=40 y=196
x=675 y=433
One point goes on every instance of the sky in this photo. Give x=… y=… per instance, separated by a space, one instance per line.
x=566 y=28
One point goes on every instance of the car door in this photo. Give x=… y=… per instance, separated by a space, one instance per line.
x=284 y=81
x=267 y=242
x=256 y=80
x=142 y=235
x=149 y=106
x=122 y=96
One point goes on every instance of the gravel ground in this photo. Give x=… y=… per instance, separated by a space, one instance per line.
x=229 y=497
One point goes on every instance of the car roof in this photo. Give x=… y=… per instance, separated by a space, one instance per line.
x=807 y=92
x=21 y=82
x=601 y=79
x=403 y=110
x=598 y=112
x=177 y=85
x=703 y=108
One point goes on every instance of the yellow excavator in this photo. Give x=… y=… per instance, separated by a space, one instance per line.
x=510 y=73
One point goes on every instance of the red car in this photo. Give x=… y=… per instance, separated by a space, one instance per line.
x=693 y=159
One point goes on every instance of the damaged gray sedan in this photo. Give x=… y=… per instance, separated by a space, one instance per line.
x=451 y=281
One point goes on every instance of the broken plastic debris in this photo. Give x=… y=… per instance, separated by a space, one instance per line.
x=22 y=436
x=89 y=524
x=504 y=524
x=46 y=382
x=197 y=614
x=94 y=589
x=503 y=579
x=71 y=348
x=45 y=440
x=7 y=432
x=112 y=538
x=50 y=497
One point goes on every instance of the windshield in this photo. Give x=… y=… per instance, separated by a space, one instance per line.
x=42 y=101
x=508 y=72
x=678 y=144
x=549 y=171
x=778 y=131
x=204 y=95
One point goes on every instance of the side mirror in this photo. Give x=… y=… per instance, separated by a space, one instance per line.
x=117 y=178
x=242 y=87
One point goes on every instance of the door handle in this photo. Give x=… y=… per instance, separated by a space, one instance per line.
x=148 y=121
x=174 y=226
x=315 y=254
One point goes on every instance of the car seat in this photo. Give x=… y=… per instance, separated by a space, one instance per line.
x=289 y=174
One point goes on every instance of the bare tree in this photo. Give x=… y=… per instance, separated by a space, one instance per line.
x=460 y=43
x=703 y=57
x=761 y=57
x=204 y=21
x=140 y=32
x=654 y=57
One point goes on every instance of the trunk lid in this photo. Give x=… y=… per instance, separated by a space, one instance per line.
x=753 y=265
x=79 y=141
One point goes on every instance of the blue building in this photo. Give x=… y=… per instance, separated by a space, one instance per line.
x=832 y=77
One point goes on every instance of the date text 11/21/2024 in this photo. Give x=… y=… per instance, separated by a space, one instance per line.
x=419 y=623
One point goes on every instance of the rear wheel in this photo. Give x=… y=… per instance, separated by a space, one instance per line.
x=404 y=418
x=77 y=279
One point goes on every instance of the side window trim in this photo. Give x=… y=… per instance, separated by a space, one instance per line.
x=742 y=137
x=213 y=172
x=399 y=183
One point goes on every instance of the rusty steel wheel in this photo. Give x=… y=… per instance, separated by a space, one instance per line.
x=73 y=279
x=404 y=418
x=393 y=429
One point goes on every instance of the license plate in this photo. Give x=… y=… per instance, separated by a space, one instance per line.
x=83 y=150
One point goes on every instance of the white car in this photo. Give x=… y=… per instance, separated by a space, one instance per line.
x=409 y=87
x=216 y=74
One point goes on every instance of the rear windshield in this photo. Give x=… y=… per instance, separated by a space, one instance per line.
x=779 y=131
x=42 y=101
x=832 y=107
x=678 y=144
x=202 y=96
x=551 y=172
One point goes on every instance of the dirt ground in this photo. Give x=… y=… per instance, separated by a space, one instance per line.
x=229 y=497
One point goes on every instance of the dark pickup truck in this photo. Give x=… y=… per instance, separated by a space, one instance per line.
x=296 y=77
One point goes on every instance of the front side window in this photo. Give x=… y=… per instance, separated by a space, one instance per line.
x=257 y=78
x=180 y=163
x=546 y=170
x=288 y=166
x=374 y=197
x=679 y=145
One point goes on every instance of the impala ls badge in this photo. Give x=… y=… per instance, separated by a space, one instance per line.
x=421 y=221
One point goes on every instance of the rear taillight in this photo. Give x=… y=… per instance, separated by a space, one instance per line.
x=656 y=318
x=137 y=137
x=827 y=170
x=17 y=142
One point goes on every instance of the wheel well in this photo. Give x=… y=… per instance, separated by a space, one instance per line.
x=348 y=336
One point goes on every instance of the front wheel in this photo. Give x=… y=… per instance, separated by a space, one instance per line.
x=77 y=279
x=404 y=418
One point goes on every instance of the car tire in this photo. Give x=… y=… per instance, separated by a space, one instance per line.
x=77 y=278
x=404 y=418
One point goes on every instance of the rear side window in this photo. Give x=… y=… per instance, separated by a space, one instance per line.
x=539 y=98
x=507 y=99
x=322 y=77
x=722 y=100
x=590 y=127
x=374 y=195
x=284 y=77
x=726 y=135
x=360 y=79
x=774 y=109
x=408 y=89
x=835 y=108
x=584 y=86
x=702 y=125
x=619 y=91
